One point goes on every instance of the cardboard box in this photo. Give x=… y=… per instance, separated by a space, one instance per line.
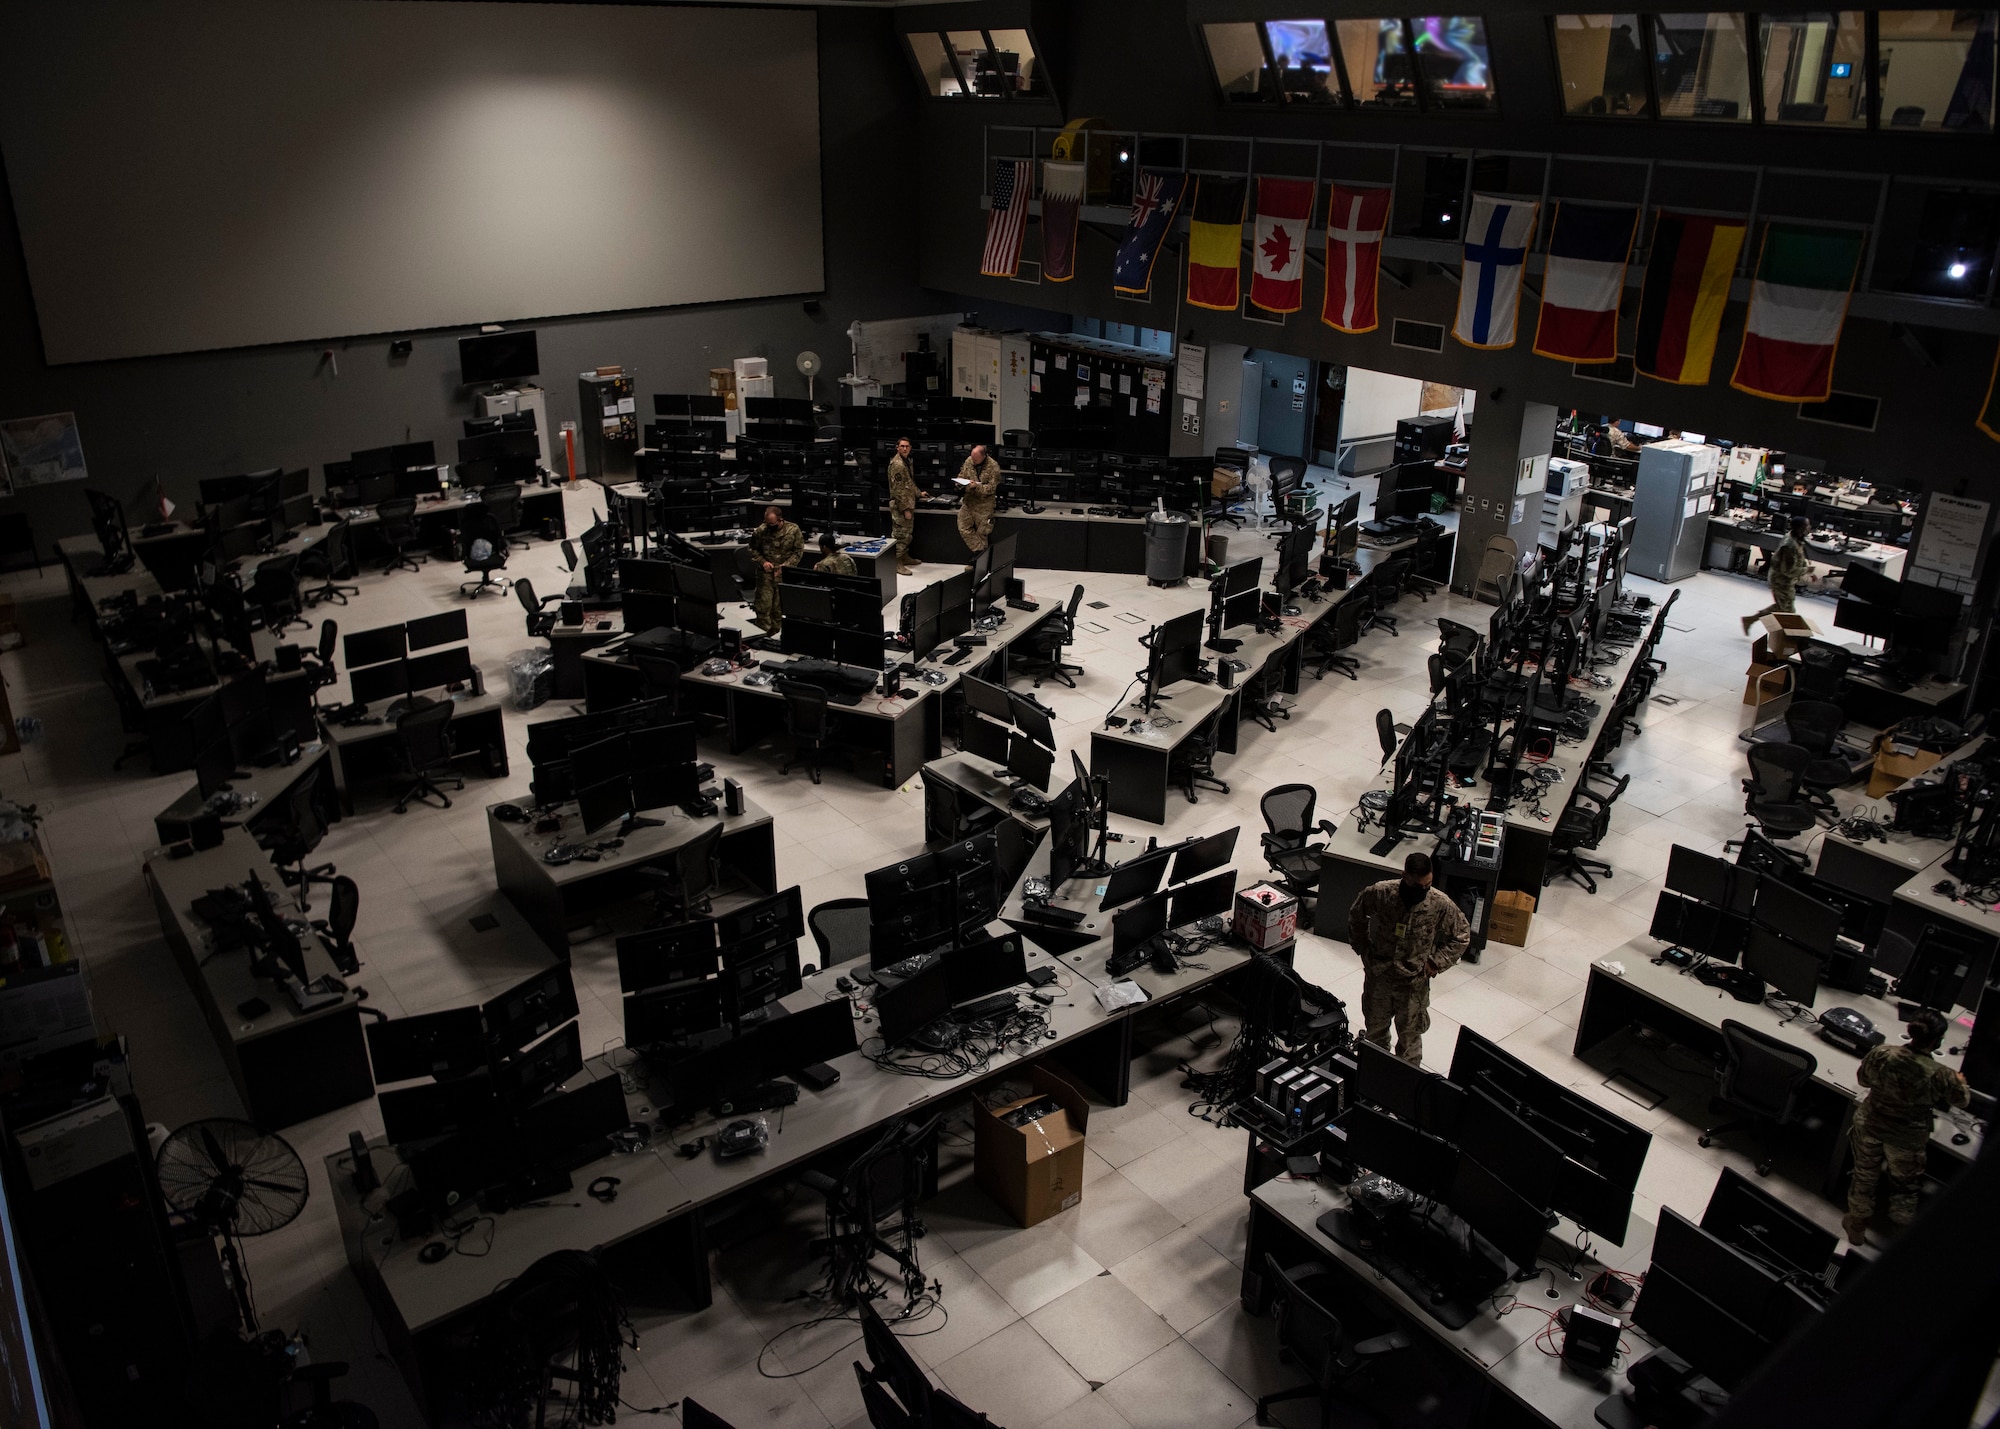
x=1034 y=1171
x=722 y=383
x=1891 y=768
x=1266 y=916
x=1786 y=634
x=1513 y=911
x=1768 y=679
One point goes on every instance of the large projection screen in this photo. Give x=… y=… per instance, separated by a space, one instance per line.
x=238 y=172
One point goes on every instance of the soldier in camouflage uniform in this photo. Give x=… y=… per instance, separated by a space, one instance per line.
x=903 y=495
x=1788 y=567
x=975 y=503
x=833 y=560
x=1406 y=932
x=1892 y=1126
x=775 y=544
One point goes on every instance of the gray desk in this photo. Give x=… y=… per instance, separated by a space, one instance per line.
x=362 y=750
x=963 y=794
x=1879 y=869
x=1887 y=560
x=267 y=790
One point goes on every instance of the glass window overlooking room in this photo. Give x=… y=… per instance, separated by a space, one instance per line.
x=975 y=61
x=1237 y=54
x=934 y=63
x=1602 y=60
x=1701 y=67
x=1936 y=69
x=1377 y=58
x=1813 y=68
x=1014 y=54
x=1451 y=56
x=1305 y=61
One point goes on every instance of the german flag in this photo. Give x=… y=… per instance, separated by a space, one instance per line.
x=1687 y=287
x=1215 y=242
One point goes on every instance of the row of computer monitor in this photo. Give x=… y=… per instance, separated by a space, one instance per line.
x=1009 y=729
x=946 y=609
x=924 y=905
x=963 y=974
x=237 y=725
x=382 y=663
x=1910 y=616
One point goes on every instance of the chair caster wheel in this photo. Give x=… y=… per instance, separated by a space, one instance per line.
x=1701 y=1141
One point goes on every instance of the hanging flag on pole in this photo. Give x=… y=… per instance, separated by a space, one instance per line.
x=1489 y=288
x=1156 y=198
x=1585 y=278
x=160 y=501
x=1688 y=271
x=1989 y=411
x=1006 y=220
x=1278 y=254
x=1062 y=201
x=1458 y=418
x=1798 y=302
x=1215 y=242
x=1355 y=219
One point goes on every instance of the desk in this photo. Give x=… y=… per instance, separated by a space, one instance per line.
x=554 y=898
x=1688 y=1012
x=1490 y=1371
x=1877 y=869
x=363 y=750
x=1869 y=699
x=1728 y=531
x=963 y=795
x=1063 y=536
x=1138 y=765
x=267 y=789
x=287 y=1065
x=170 y=742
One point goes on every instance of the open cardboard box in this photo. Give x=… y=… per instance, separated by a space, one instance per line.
x=1034 y=1171
x=1768 y=681
x=1786 y=634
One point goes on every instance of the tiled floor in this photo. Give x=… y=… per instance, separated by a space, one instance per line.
x=1120 y=1311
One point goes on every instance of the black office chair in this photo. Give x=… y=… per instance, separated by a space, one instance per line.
x=1044 y=647
x=1761 y=1077
x=1287 y=841
x=485 y=552
x=318 y=664
x=397 y=523
x=807 y=722
x=1774 y=796
x=1423 y=575
x=839 y=928
x=1385 y=590
x=1325 y=1328
x=1457 y=643
x=131 y=712
x=1388 y=733
x=662 y=678
x=424 y=749
x=502 y=501
x=330 y=560
x=1236 y=461
x=336 y=930
x=1286 y=466
x=1192 y=763
x=1815 y=726
x=545 y=1329
x=1018 y=439
x=871 y=1211
x=541 y=618
x=274 y=591
x=292 y=840
x=323 y=1411
x=683 y=889
x=1263 y=697
x=1582 y=825
x=1820 y=671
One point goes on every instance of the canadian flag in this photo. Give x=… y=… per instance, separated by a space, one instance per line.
x=1278 y=257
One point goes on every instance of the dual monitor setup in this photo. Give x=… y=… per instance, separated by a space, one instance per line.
x=1164 y=889
x=674 y=595
x=252 y=511
x=945 y=610
x=237 y=725
x=1009 y=730
x=396 y=663
x=922 y=907
x=619 y=764
x=407 y=470
x=830 y=617
x=1915 y=622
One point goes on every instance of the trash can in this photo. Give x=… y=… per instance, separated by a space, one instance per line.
x=1166 y=547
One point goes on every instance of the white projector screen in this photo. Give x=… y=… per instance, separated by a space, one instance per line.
x=238 y=172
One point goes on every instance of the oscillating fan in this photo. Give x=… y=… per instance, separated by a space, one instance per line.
x=808 y=365
x=234 y=1179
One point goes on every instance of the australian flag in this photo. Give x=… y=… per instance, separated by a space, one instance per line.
x=1156 y=198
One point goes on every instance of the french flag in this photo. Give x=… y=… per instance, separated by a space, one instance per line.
x=1588 y=249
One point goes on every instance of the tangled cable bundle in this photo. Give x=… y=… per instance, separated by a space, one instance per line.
x=560 y=1308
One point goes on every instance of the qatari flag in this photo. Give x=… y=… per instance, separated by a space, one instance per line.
x=1062 y=201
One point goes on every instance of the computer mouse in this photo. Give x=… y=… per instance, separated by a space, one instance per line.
x=1959 y=1138
x=432 y=1253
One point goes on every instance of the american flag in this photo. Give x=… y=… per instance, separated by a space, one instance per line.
x=1007 y=220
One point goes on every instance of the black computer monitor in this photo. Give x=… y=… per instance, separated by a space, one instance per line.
x=1135 y=878
x=417 y=483
x=912 y=1005
x=1030 y=762
x=445 y=628
x=1134 y=927
x=528 y=1009
x=954 y=605
x=1713 y=1268
x=1806 y=921
x=985 y=966
x=437 y=669
x=1698 y=927
x=373 y=647
x=818 y=1033
x=432 y=1044
x=1756 y=1222
x=433 y=1109
x=804 y=602
x=862 y=648
x=1199 y=856
x=1399 y=1150
x=1945 y=968
x=988 y=699
x=1209 y=898
x=657 y=957
x=1032 y=720
x=1239 y=577
x=809 y=638
x=590 y=1112
x=601 y=760
x=673 y=1014
x=983 y=739
x=533 y=1073
x=895 y=1366
x=1176 y=650
x=214 y=765
x=1510 y=1148
x=498 y=357
x=1698 y=875
x=1792 y=971
x=1511 y=1223
x=1712 y=1340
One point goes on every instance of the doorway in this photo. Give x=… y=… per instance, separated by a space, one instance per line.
x=1284 y=420
x=1330 y=397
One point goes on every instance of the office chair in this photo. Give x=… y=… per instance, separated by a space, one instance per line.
x=1286 y=466
x=1288 y=830
x=871 y=1211
x=1820 y=671
x=1220 y=503
x=1760 y=1076
x=546 y=1328
x=318 y=665
x=424 y=751
x=662 y=678
x=1582 y=826
x=541 y=619
x=1423 y=560
x=274 y=590
x=1815 y=726
x=324 y=1411
x=1340 y=633
x=1389 y=734
x=1047 y=643
x=291 y=840
x=1385 y=590
x=682 y=890
x=1018 y=439
x=1327 y=1330
x=1774 y=796
x=808 y=723
x=480 y=528
x=336 y=929
x=1457 y=643
x=131 y=712
x=502 y=501
x=330 y=559
x=839 y=928
x=397 y=523
x=1192 y=762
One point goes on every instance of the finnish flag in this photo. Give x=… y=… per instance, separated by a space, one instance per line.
x=1489 y=291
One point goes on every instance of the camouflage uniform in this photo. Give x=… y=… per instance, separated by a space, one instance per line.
x=902 y=512
x=1402 y=949
x=1892 y=1130
x=837 y=564
x=1788 y=567
x=975 y=505
x=781 y=545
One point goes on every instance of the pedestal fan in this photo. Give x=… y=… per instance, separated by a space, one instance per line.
x=233 y=1179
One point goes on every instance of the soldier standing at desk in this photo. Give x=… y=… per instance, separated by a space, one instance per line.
x=833 y=560
x=1788 y=567
x=775 y=544
x=903 y=496
x=1892 y=1126
x=1406 y=932
x=979 y=484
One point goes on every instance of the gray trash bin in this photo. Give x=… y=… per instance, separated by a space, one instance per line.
x=1166 y=547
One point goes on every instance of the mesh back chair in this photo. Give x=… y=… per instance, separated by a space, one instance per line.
x=398 y=526
x=318 y=665
x=541 y=618
x=682 y=890
x=482 y=529
x=1192 y=762
x=1327 y=1330
x=1236 y=463
x=336 y=930
x=1018 y=439
x=503 y=503
x=1582 y=826
x=1457 y=643
x=808 y=723
x=292 y=840
x=1423 y=560
x=662 y=677
x=871 y=1210
x=1263 y=698
x=1285 y=466
x=1774 y=796
x=1820 y=671
x=1287 y=840
x=1760 y=1077
x=1044 y=647
x=1389 y=733
x=1385 y=590
x=330 y=560
x=1815 y=726
x=424 y=748
x=1338 y=634
x=840 y=930
x=274 y=591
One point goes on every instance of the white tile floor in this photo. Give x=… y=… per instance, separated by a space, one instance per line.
x=1121 y=1311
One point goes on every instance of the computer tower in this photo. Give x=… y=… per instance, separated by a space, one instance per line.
x=609 y=423
x=1671 y=500
x=1422 y=438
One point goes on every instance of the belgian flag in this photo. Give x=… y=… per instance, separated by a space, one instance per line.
x=1215 y=242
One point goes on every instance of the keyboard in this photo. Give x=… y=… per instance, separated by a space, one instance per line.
x=844 y=684
x=996 y=1005
x=964 y=653
x=1049 y=913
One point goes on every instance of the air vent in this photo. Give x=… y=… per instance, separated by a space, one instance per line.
x=1420 y=337
x=1843 y=409
x=1621 y=373
x=1251 y=313
x=1028 y=273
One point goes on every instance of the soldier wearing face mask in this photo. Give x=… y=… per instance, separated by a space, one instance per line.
x=1406 y=932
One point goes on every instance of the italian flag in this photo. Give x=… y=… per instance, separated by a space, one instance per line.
x=1797 y=304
